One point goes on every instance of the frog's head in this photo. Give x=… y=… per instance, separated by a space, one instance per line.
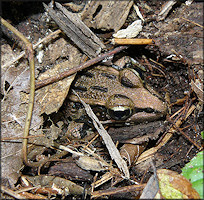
x=136 y=102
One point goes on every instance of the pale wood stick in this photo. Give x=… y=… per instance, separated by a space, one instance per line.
x=132 y=41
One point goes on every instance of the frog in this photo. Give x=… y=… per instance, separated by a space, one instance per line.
x=120 y=94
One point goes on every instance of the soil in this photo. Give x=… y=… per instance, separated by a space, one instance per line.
x=173 y=36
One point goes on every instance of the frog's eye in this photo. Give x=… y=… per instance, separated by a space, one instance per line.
x=130 y=78
x=120 y=112
x=119 y=107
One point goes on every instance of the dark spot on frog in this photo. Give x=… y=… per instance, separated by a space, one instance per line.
x=99 y=88
x=110 y=76
x=80 y=88
x=126 y=82
x=147 y=110
x=86 y=74
x=97 y=10
x=120 y=96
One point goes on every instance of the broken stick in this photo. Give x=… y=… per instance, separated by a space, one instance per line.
x=132 y=41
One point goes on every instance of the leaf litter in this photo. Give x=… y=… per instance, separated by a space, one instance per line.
x=50 y=98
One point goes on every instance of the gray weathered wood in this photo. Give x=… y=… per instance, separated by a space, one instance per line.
x=76 y=30
x=106 y=15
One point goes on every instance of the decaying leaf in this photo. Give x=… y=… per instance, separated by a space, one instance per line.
x=51 y=97
x=88 y=163
x=14 y=105
x=13 y=113
x=56 y=50
x=131 y=31
x=69 y=187
x=70 y=171
x=151 y=188
x=130 y=152
x=174 y=186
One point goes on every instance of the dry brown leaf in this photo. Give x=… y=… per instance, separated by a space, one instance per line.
x=130 y=152
x=51 y=97
x=57 y=49
x=14 y=104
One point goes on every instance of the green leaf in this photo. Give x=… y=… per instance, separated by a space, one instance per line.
x=193 y=171
x=202 y=134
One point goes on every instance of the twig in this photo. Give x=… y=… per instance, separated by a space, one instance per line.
x=27 y=189
x=124 y=189
x=28 y=195
x=89 y=63
x=90 y=142
x=68 y=149
x=157 y=63
x=150 y=66
x=178 y=115
x=192 y=22
x=188 y=138
x=18 y=138
x=11 y=193
x=134 y=41
x=34 y=47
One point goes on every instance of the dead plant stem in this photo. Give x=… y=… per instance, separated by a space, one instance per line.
x=192 y=22
x=71 y=71
x=30 y=53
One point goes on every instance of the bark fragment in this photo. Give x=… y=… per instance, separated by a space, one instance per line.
x=76 y=30
x=106 y=15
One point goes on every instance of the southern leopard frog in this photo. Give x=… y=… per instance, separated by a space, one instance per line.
x=121 y=93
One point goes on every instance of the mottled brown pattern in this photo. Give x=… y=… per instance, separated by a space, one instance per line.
x=99 y=88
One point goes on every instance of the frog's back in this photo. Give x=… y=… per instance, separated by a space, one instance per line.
x=94 y=86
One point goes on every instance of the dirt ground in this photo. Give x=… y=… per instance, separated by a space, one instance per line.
x=173 y=68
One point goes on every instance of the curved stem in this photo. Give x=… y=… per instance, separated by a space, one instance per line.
x=30 y=52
